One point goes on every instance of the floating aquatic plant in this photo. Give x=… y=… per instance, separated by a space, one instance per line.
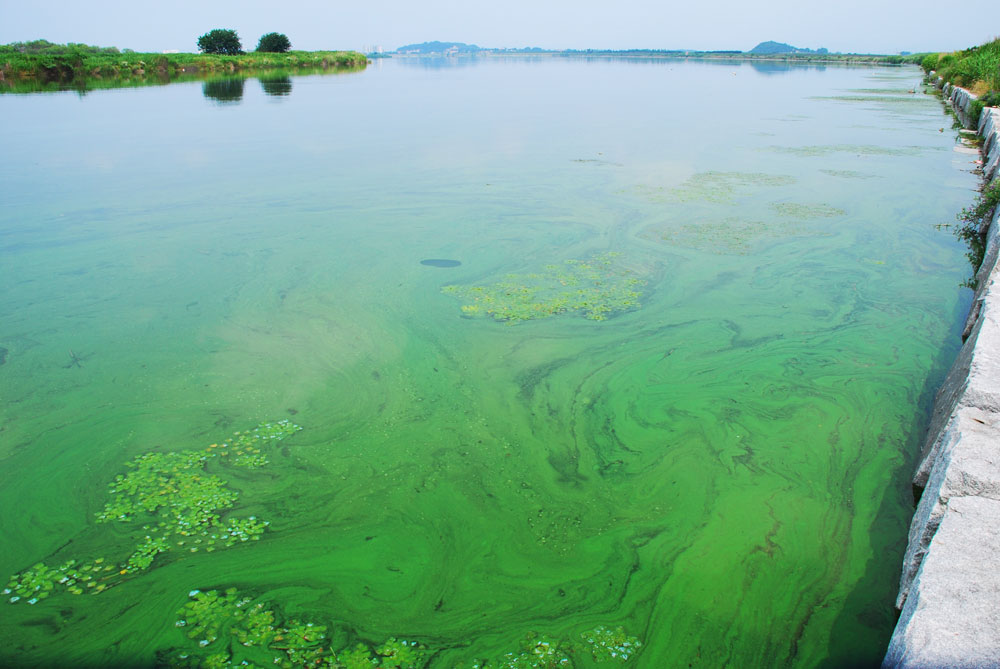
x=222 y=623
x=537 y=652
x=179 y=503
x=146 y=552
x=611 y=645
x=595 y=287
x=400 y=654
x=358 y=657
x=40 y=581
x=231 y=629
x=172 y=486
x=245 y=529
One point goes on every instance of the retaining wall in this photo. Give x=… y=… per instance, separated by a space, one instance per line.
x=949 y=592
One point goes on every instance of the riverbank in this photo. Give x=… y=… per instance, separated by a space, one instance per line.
x=70 y=66
x=949 y=592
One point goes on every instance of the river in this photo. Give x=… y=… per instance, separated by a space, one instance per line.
x=588 y=356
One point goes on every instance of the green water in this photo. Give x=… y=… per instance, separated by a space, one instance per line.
x=718 y=465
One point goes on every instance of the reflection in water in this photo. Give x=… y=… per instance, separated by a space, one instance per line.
x=440 y=62
x=224 y=91
x=276 y=86
x=771 y=67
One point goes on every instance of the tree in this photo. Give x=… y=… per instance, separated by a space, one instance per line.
x=274 y=43
x=226 y=42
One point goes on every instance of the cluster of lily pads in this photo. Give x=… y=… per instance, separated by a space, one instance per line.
x=40 y=581
x=181 y=504
x=594 y=287
x=230 y=629
x=611 y=645
x=537 y=652
x=604 y=646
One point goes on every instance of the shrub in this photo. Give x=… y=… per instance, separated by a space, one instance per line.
x=975 y=111
x=221 y=41
x=975 y=221
x=274 y=43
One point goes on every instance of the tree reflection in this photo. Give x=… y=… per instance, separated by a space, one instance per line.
x=224 y=91
x=276 y=86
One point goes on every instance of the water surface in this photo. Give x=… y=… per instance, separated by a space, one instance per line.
x=723 y=306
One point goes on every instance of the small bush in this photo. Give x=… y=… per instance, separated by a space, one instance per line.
x=975 y=222
x=274 y=43
x=975 y=111
x=930 y=62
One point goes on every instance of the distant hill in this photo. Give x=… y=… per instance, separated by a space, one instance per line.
x=442 y=48
x=770 y=48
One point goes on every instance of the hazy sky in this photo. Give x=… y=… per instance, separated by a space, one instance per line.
x=873 y=26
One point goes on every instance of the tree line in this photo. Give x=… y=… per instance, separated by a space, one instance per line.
x=226 y=42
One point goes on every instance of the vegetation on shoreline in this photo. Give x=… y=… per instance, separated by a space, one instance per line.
x=975 y=221
x=44 y=62
x=976 y=69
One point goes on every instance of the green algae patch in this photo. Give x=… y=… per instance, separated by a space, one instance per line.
x=179 y=505
x=879 y=99
x=847 y=174
x=880 y=91
x=725 y=187
x=729 y=236
x=806 y=211
x=813 y=151
x=597 y=288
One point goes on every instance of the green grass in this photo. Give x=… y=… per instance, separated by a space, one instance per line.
x=976 y=68
x=44 y=63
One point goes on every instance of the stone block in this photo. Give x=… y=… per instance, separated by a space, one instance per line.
x=952 y=616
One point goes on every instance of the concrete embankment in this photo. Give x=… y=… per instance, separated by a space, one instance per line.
x=949 y=592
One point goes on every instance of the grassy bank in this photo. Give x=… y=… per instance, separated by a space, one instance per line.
x=976 y=69
x=66 y=63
